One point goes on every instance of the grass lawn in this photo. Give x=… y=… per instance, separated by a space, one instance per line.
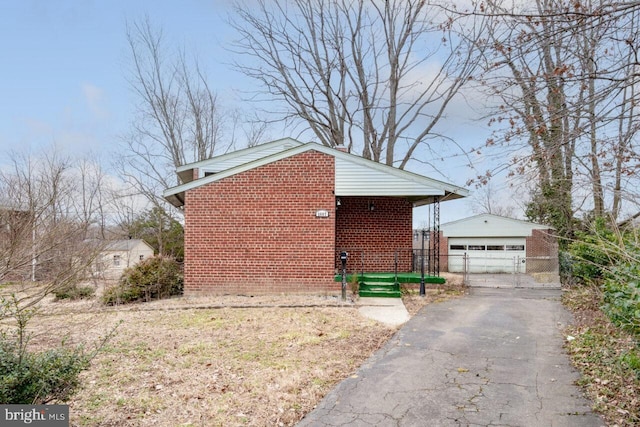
x=217 y=361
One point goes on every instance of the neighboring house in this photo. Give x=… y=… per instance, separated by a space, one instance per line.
x=275 y=217
x=118 y=255
x=495 y=244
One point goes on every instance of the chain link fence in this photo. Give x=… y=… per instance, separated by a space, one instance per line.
x=516 y=271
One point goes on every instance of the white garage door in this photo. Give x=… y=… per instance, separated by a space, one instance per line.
x=487 y=254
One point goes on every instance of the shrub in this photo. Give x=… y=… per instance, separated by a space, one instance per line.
x=154 y=278
x=622 y=297
x=565 y=261
x=610 y=258
x=593 y=253
x=74 y=292
x=28 y=377
x=38 y=378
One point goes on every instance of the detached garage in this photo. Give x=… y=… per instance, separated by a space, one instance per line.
x=495 y=244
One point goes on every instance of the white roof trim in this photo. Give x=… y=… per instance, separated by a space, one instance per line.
x=238 y=154
x=419 y=185
x=488 y=225
x=533 y=225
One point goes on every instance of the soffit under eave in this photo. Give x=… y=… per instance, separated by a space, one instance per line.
x=359 y=177
x=427 y=200
x=186 y=176
x=176 y=199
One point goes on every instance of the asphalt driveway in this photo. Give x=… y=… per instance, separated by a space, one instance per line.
x=493 y=358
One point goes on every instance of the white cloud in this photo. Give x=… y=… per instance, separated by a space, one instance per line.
x=95 y=100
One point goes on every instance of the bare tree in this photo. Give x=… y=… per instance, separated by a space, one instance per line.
x=563 y=76
x=92 y=197
x=374 y=76
x=486 y=199
x=42 y=245
x=178 y=116
x=624 y=142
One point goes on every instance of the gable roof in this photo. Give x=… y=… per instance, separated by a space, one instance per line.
x=125 y=245
x=489 y=225
x=122 y=245
x=227 y=161
x=354 y=175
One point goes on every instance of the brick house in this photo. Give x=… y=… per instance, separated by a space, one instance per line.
x=273 y=218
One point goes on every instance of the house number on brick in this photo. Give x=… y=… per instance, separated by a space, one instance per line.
x=322 y=214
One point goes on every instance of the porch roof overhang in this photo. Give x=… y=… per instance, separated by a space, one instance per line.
x=354 y=175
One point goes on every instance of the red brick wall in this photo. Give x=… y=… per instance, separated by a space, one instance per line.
x=444 y=253
x=542 y=252
x=376 y=233
x=256 y=232
x=542 y=243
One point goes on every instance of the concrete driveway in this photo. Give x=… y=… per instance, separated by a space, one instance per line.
x=492 y=358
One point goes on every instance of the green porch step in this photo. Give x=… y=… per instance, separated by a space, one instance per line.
x=379 y=290
x=384 y=285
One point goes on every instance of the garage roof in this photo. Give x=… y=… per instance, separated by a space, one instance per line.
x=488 y=225
x=354 y=175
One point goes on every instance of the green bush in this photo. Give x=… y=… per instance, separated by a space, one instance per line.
x=622 y=297
x=38 y=378
x=74 y=292
x=631 y=359
x=28 y=377
x=593 y=253
x=154 y=278
x=610 y=258
x=565 y=263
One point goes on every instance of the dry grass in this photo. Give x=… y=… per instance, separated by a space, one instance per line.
x=433 y=293
x=218 y=361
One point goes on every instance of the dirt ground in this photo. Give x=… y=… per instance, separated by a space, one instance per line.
x=215 y=361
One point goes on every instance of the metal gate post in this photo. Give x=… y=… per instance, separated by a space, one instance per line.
x=422 y=289
x=436 y=236
x=395 y=266
x=465 y=269
x=343 y=261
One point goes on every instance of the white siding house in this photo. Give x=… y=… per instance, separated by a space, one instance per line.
x=118 y=255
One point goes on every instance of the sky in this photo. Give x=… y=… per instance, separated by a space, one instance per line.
x=64 y=73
